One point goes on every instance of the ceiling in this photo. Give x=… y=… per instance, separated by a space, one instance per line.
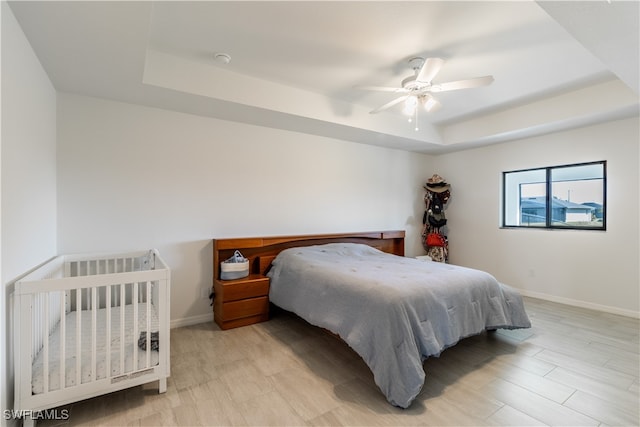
x=294 y=65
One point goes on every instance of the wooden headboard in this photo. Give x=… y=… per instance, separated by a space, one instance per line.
x=262 y=250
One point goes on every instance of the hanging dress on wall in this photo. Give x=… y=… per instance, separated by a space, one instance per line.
x=434 y=238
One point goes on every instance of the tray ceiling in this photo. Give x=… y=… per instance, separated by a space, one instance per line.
x=294 y=65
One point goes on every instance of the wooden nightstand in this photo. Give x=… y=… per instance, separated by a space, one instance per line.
x=241 y=302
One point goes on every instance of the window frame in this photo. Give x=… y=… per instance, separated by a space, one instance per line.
x=548 y=225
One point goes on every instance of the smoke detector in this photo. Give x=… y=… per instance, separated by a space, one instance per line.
x=222 y=58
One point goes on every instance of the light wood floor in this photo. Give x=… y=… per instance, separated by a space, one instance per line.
x=573 y=367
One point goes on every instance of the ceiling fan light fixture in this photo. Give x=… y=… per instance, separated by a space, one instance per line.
x=410 y=105
x=429 y=103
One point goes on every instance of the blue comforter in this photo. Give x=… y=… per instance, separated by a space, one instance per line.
x=393 y=311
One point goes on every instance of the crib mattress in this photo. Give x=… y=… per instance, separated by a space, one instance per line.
x=131 y=344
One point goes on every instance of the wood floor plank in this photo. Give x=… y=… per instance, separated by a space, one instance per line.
x=269 y=409
x=508 y=416
x=604 y=374
x=528 y=363
x=574 y=348
x=219 y=412
x=626 y=342
x=162 y=418
x=471 y=402
x=187 y=415
x=293 y=386
x=595 y=387
x=354 y=415
x=536 y=406
x=538 y=384
x=246 y=383
x=441 y=412
x=608 y=412
x=624 y=366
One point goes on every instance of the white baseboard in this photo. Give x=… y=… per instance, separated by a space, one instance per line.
x=194 y=320
x=582 y=304
x=203 y=318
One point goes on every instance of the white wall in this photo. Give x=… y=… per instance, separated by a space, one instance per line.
x=132 y=177
x=589 y=268
x=28 y=172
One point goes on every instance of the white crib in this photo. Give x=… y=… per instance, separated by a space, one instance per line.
x=83 y=325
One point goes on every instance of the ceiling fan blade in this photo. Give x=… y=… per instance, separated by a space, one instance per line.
x=429 y=69
x=389 y=104
x=463 y=84
x=382 y=89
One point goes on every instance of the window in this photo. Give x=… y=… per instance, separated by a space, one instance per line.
x=561 y=197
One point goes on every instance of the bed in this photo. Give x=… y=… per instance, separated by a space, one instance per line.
x=87 y=325
x=392 y=310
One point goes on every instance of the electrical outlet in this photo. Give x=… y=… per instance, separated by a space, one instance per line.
x=204 y=292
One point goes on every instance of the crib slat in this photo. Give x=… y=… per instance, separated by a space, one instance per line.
x=36 y=342
x=78 y=336
x=122 y=319
x=23 y=357
x=45 y=339
x=148 y=308
x=63 y=332
x=67 y=269
x=135 y=325
x=88 y=297
x=94 y=326
x=108 y=334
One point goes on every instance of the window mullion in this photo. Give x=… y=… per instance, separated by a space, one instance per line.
x=549 y=197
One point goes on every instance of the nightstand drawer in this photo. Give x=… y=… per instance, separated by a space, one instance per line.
x=245 y=308
x=240 y=302
x=245 y=288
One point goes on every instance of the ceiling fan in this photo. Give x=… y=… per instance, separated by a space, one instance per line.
x=417 y=89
